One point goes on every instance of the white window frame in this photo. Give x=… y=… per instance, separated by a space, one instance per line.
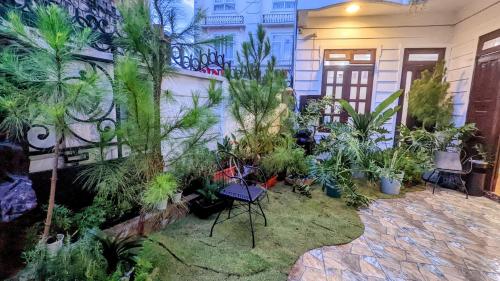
x=284 y=2
x=233 y=54
x=289 y=35
x=224 y=4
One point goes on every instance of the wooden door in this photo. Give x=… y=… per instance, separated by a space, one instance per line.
x=484 y=101
x=348 y=75
x=414 y=63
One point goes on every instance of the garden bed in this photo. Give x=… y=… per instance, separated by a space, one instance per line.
x=184 y=250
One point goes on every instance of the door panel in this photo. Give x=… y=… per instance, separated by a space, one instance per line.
x=348 y=75
x=484 y=101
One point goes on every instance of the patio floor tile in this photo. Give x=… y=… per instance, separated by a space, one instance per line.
x=419 y=237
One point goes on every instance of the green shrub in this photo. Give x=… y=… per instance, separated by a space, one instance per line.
x=81 y=260
x=197 y=165
x=162 y=187
x=429 y=101
x=289 y=159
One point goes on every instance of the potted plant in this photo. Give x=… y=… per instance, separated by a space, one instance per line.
x=323 y=175
x=208 y=203
x=287 y=161
x=389 y=171
x=194 y=167
x=160 y=190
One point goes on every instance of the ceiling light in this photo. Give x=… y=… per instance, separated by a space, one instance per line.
x=353 y=8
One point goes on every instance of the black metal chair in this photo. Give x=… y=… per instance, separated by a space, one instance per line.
x=449 y=163
x=236 y=187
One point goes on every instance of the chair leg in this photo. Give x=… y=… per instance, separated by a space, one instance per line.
x=430 y=177
x=230 y=208
x=215 y=222
x=262 y=211
x=436 y=183
x=464 y=187
x=251 y=223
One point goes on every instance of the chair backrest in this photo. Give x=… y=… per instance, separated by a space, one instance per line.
x=446 y=160
x=230 y=166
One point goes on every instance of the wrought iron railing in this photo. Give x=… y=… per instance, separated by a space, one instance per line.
x=198 y=60
x=102 y=17
x=288 y=18
x=99 y=15
x=224 y=20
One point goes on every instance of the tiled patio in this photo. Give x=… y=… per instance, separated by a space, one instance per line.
x=420 y=237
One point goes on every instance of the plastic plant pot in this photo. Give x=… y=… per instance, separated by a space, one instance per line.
x=390 y=186
x=271 y=182
x=332 y=190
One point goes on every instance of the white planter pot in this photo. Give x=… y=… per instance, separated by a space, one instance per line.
x=54 y=247
x=357 y=172
x=177 y=198
x=162 y=206
x=390 y=186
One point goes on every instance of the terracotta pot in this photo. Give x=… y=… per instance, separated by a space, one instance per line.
x=271 y=182
x=223 y=175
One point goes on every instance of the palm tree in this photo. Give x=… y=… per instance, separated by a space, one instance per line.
x=38 y=68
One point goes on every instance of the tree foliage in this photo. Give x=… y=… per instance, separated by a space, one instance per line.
x=429 y=101
x=39 y=81
x=257 y=94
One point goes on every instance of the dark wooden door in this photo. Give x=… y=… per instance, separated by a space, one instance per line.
x=484 y=101
x=347 y=75
x=414 y=63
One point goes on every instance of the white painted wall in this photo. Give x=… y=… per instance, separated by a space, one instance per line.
x=476 y=21
x=390 y=35
x=182 y=85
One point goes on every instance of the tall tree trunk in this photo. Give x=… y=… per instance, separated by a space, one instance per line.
x=52 y=196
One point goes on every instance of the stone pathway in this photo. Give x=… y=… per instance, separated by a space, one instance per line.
x=419 y=237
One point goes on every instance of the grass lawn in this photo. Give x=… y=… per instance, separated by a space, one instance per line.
x=296 y=224
x=372 y=190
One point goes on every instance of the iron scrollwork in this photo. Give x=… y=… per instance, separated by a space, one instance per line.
x=199 y=61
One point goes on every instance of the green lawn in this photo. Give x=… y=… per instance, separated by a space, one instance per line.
x=372 y=190
x=296 y=224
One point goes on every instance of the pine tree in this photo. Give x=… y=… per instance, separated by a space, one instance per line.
x=429 y=101
x=38 y=69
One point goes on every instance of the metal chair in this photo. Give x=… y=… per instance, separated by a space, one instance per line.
x=449 y=163
x=238 y=188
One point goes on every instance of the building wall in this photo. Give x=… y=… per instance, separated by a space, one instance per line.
x=458 y=32
x=389 y=35
x=252 y=12
x=463 y=48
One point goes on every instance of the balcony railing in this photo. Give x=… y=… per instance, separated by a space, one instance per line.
x=288 y=18
x=223 y=20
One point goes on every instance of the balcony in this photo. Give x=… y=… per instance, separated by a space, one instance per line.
x=223 y=21
x=284 y=19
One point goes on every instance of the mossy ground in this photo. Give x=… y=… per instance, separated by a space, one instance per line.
x=296 y=224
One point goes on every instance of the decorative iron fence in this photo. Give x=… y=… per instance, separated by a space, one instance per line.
x=84 y=134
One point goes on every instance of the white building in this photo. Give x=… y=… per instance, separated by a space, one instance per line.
x=362 y=51
x=234 y=19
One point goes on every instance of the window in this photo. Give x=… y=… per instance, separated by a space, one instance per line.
x=224 y=5
x=283 y=4
x=282 y=48
x=225 y=46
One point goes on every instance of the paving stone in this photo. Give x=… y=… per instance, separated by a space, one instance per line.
x=419 y=237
